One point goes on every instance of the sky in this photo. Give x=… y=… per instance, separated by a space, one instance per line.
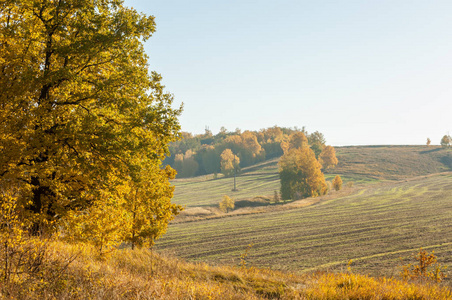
x=360 y=72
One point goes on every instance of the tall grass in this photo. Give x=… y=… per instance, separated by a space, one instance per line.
x=142 y=274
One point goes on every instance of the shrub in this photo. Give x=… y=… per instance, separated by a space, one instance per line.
x=337 y=183
x=427 y=268
x=226 y=203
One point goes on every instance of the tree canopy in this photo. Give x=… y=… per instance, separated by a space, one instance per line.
x=301 y=174
x=201 y=154
x=446 y=141
x=229 y=162
x=328 y=157
x=84 y=126
x=226 y=204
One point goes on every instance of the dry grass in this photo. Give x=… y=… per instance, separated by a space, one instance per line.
x=373 y=224
x=142 y=274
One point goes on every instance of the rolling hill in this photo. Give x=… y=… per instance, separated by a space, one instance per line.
x=362 y=165
x=402 y=201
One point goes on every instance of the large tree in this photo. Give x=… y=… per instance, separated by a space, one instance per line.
x=301 y=174
x=84 y=126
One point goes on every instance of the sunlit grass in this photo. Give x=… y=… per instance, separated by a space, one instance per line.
x=143 y=274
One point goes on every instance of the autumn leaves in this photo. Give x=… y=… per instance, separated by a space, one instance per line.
x=300 y=170
x=84 y=124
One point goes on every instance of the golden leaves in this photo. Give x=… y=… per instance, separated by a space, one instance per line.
x=84 y=125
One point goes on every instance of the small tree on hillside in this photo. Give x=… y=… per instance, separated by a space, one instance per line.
x=226 y=203
x=427 y=268
x=446 y=141
x=337 y=183
x=428 y=142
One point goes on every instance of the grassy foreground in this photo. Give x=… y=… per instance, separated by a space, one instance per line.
x=76 y=272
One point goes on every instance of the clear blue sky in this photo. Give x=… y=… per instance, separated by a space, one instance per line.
x=360 y=72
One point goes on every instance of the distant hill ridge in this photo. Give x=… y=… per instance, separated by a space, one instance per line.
x=392 y=162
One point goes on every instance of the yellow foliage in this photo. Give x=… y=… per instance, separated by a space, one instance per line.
x=301 y=174
x=353 y=286
x=229 y=162
x=226 y=203
x=427 y=268
x=84 y=125
x=327 y=157
x=250 y=143
x=337 y=183
x=298 y=140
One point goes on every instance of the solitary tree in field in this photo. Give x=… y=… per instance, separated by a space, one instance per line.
x=337 y=183
x=227 y=204
x=84 y=125
x=428 y=142
x=328 y=157
x=446 y=141
x=301 y=174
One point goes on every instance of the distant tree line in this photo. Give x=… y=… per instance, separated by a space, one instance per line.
x=207 y=153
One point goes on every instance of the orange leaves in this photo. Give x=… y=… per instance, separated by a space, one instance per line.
x=427 y=268
x=328 y=157
x=301 y=175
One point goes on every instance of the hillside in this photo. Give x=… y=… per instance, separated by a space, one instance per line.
x=76 y=272
x=262 y=250
x=392 y=162
x=358 y=164
x=308 y=249
x=399 y=205
x=374 y=226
